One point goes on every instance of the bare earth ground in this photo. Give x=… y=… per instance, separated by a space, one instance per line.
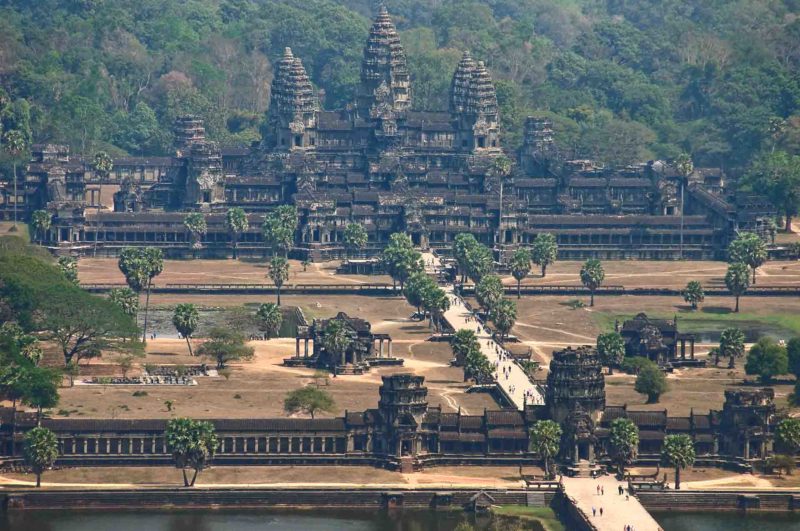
x=105 y=270
x=711 y=478
x=501 y=477
x=661 y=274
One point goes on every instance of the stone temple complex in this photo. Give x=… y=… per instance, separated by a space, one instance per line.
x=383 y=163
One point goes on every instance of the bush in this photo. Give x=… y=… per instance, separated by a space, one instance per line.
x=651 y=382
x=781 y=463
x=634 y=364
x=237 y=396
x=139 y=393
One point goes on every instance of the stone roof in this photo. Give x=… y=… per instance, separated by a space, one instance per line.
x=459 y=86
x=291 y=88
x=481 y=96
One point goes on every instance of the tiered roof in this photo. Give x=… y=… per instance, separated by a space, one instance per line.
x=291 y=88
x=384 y=59
x=481 y=96
x=459 y=87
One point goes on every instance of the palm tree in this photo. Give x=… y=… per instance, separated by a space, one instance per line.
x=236 y=223
x=624 y=439
x=737 y=280
x=102 y=164
x=336 y=340
x=592 y=276
x=196 y=224
x=41 y=220
x=14 y=144
x=504 y=315
x=545 y=439
x=270 y=318
x=694 y=294
x=544 y=251
x=278 y=273
x=355 y=237
x=185 y=320
x=520 y=266
x=678 y=451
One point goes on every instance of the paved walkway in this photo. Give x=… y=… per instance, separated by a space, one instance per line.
x=511 y=379
x=617 y=510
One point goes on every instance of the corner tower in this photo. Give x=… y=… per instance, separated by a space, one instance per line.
x=473 y=103
x=292 y=115
x=384 y=71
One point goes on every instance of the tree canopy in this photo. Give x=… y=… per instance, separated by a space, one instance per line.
x=309 y=400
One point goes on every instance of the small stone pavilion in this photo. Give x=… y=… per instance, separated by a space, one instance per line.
x=356 y=359
x=658 y=340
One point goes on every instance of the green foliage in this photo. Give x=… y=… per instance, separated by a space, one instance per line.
x=793 y=353
x=224 y=346
x=463 y=343
x=737 y=280
x=400 y=259
x=767 y=359
x=678 y=451
x=634 y=364
x=731 y=344
x=195 y=223
x=788 y=435
x=694 y=294
x=126 y=299
x=278 y=273
x=418 y=289
x=777 y=174
x=479 y=262
x=279 y=227
x=336 y=338
x=545 y=439
x=488 y=291
x=624 y=439
x=544 y=251
x=520 y=265
x=69 y=268
x=309 y=400
x=750 y=249
x=592 y=275
x=40 y=450
x=462 y=244
x=651 y=382
x=192 y=444
x=236 y=223
x=185 y=319
x=504 y=315
x=611 y=349
x=782 y=463
x=355 y=237
x=269 y=318
x=41 y=221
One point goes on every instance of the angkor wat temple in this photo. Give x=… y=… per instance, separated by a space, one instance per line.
x=406 y=432
x=383 y=164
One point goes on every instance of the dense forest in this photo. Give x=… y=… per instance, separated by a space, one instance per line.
x=622 y=80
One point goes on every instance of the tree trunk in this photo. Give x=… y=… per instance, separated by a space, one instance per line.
x=544 y=270
x=518 y=282
x=591 y=298
x=677 y=478
x=15 y=197
x=38 y=479
x=788 y=227
x=732 y=362
x=189 y=344
x=754 y=276
x=194 y=477
x=146 y=309
x=185 y=479
x=279 y=294
x=736 y=310
x=716 y=358
x=610 y=370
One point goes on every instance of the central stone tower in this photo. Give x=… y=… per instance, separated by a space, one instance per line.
x=403 y=402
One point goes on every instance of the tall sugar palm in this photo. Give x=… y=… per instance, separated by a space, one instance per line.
x=14 y=144
x=236 y=223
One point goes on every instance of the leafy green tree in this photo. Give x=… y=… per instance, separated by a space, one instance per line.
x=504 y=315
x=436 y=303
x=737 y=280
x=140 y=265
x=545 y=440
x=224 y=346
x=278 y=273
x=781 y=463
x=41 y=221
x=793 y=354
x=693 y=294
x=15 y=144
x=651 y=382
x=479 y=262
x=488 y=291
x=462 y=343
x=279 y=228
x=39 y=388
x=788 y=435
x=767 y=359
x=309 y=400
x=778 y=175
x=193 y=444
x=126 y=299
x=102 y=164
x=624 y=440
x=355 y=238
x=269 y=318
x=69 y=268
x=592 y=276
x=544 y=251
x=236 y=223
x=520 y=266
x=84 y=325
x=731 y=344
x=611 y=349
x=418 y=289
x=477 y=366
x=678 y=452
x=41 y=451
x=748 y=248
x=400 y=259
x=336 y=340
x=195 y=223
x=462 y=244
x=185 y=320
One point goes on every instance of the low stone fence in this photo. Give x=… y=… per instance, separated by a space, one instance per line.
x=718 y=500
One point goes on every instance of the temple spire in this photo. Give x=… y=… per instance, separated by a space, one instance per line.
x=384 y=67
x=459 y=87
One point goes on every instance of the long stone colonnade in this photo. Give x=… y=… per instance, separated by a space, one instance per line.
x=380 y=339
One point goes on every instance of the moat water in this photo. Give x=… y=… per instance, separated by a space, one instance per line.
x=329 y=520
